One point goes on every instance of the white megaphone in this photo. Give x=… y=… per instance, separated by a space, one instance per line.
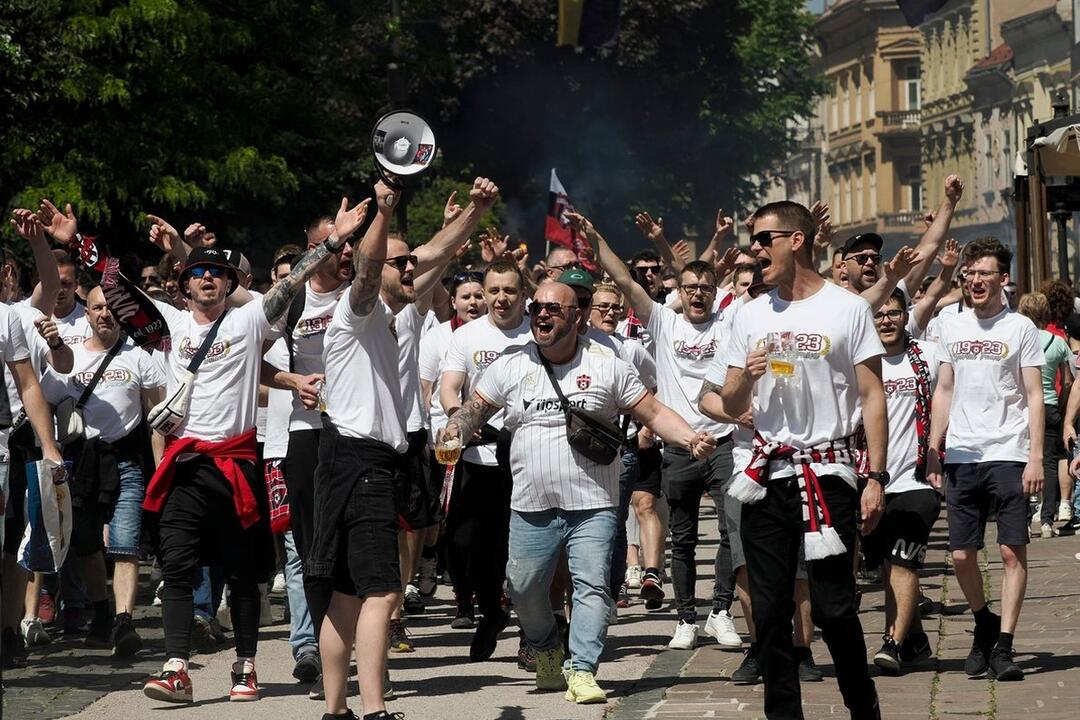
x=403 y=145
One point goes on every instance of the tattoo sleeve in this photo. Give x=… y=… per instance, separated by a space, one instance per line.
x=281 y=295
x=708 y=387
x=473 y=413
x=365 y=286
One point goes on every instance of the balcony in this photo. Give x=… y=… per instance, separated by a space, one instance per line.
x=899 y=122
x=905 y=220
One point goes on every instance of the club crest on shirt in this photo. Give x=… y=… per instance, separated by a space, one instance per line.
x=684 y=349
x=900 y=386
x=483 y=358
x=313 y=326
x=583 y=382
x=217 y=351
x=979 y=349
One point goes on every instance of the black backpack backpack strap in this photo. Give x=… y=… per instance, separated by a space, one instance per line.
x=292 y=317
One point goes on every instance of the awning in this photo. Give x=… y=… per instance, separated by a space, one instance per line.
x=1059 y=152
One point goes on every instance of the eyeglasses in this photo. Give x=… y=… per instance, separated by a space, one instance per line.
x=863 y=258
x=151 y=279
x=573 y=264
x=201 y=271
x=980 y=274
x=553 y=308
x=765 y=238
x=893 y=315
x=702 y=288
x=605 y=308
x=646 y=269
x=402 y=261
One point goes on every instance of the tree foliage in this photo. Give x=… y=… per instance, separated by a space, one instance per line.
x=253 y=117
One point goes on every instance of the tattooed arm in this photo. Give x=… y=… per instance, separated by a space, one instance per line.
x=369 y=258
x=711 y=404
x=281 y=295
x=469 y=418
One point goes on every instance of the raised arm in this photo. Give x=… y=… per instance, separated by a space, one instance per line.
x=653 y=230
x=927 y=305
x=30 y=227
x=930 y=244
x=60 y=356
x=724 y=225
x=613 y=266
x=369 y=257
x=892 y=271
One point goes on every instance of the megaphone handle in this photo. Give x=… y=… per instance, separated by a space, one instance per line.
x=390 y=200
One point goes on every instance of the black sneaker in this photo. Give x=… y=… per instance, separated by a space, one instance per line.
x=125 y=640
x=487 y=635
x=526 y=657
x=99 y=634
x=347 y=715
x=316 y=691
x=308 y=665
x=12 y=649
x=810 y=672
x=915 y=648
x=413 y=604
x=463 y=621
x=926 y=606
x=888 y=657
x=653 y=604
x=978 y=659
x=1002 y=667
x=749 y=672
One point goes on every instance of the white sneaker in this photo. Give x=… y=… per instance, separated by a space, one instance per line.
x=33 y=633
x=685 y=636
x=633 y=577
x=278 y=588
x=1064 y=511
x=157 y=593
x=722 y=627
x=1047 y=531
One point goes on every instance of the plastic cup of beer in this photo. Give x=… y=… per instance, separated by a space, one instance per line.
x=780 y=348
x=448 y=452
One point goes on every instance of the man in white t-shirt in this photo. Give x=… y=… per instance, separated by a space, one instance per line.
x=823 y=358
x=563 y=498
x=108 y=482
x=361 y=467
x=898 y=544
x=206 y=498
x=478 y=521
x=684 y=345
x=989 y=400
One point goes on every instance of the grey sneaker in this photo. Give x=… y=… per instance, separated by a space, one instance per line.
x=749 y=672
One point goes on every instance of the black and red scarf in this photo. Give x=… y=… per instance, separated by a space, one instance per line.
x=922 y=404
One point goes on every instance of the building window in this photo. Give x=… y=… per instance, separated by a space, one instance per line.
x=846 y=215
x=912 y=88
x=914 y=188
x=845 y=107
x=870 y=101
x=857 y=210
x=858 y=101
x=834 y=108
x=872 y=172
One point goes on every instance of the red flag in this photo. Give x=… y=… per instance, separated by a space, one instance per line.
x=558 y=230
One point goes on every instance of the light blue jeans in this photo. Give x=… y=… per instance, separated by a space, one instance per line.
x=301 y=629
x=536 y=539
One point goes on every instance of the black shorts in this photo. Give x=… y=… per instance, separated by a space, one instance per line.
x=418 y=507
x=648 y=475
x=901 y=535
x=19 y=455
x=367 y=556
x=974 y=490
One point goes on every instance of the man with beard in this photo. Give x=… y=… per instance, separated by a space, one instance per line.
x=562 y=498
x=477 y=523
x=988 y=409
x=685 y=344
x=408 y=281
x=108 y=483
x=862 y=255
x=206 y=500
x=800 y=486
x=647 y=271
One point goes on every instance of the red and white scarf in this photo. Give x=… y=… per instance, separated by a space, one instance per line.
x=820 y=539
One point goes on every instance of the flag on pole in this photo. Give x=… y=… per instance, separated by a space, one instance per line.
x=588 y=23
x=556 y=228
x=915 y=11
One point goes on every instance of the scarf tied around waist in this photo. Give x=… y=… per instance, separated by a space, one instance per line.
x=820 y=539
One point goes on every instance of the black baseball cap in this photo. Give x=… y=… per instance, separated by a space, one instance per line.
x=860 y=239
x=212 y=257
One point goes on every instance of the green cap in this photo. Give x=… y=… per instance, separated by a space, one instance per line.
x=579 y=278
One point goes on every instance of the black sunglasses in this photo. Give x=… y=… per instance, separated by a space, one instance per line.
x=469 y=276
x=863 y=258
x=764 y=238
x=553 y=308
x=402 y=261
x=646 y=269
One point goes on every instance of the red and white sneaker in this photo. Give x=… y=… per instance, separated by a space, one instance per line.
x=172 y=684
x=245 y=684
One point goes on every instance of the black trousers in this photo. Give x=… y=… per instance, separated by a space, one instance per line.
x=199 y=526
x=301 y=459
x=1052 y=452
x=772 y=532
x=478 y=530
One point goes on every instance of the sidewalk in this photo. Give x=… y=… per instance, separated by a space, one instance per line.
x=1047 y=645
x=643 y=678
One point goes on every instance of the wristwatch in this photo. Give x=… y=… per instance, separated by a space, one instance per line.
x=881 y=476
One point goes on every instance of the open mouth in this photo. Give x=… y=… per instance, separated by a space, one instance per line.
x=978 y=293
x=764 y=261
x=544 y=328
x=697 y=305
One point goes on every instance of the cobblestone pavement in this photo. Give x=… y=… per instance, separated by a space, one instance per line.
x=644 y=680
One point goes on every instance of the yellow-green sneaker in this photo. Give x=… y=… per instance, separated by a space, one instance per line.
x=549 y=672
x=582 y=688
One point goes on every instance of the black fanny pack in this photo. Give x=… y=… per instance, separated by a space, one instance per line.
x=594 y=437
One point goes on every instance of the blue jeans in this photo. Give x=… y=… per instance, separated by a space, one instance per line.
x=301 y=629
x=536 y=539
x=618 y=554
x=125 y=525
x=208 y=584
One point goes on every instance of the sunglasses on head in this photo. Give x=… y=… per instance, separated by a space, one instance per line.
x=402 y=261
x=200 y=271
x=474 y=276
x=764 y=238
x=553 y=308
